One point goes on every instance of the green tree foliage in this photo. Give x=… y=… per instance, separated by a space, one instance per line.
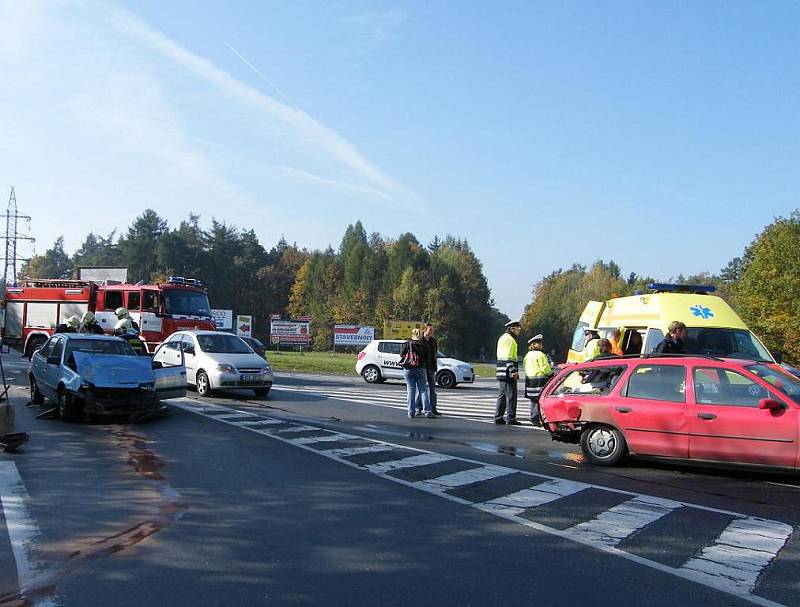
x=54 y=263
x=766 y=290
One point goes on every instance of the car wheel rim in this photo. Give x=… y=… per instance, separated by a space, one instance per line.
x=602 y=443
x=371 y=375
x=202 y=384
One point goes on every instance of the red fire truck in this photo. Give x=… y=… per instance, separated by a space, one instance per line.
x=34 y=309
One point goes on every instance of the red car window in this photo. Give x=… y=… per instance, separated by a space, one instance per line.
x=658 y=382
x=595 y=381
x=718 y=386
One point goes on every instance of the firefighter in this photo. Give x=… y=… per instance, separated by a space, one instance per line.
x=71 y=325
x=124 y=329
x=89 y=324
x=507 y=374
x=538 y=370
x=122 y=313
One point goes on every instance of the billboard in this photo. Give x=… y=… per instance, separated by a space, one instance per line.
x=400 y=329
x=244 y=325
x=289 y=332
x=223 y=319
x=352 y=335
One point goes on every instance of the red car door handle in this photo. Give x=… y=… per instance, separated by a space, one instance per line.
x=624 y=409
x=706 y=416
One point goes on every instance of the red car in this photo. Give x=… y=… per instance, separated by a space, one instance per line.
x=688 y=407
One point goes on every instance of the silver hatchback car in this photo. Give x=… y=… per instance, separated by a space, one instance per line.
x=100 y=375
x=216 y=360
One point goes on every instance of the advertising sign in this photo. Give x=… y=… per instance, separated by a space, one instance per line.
x=244 y=325
x=289 y=332
x=274 y=316
x=223 y=319
x=400 y=329
x=108 y=274
x=352 y=335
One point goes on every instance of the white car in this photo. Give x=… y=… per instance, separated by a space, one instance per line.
x=380 y=360
x=216 y=360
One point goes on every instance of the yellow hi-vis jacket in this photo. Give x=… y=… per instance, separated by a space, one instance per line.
x=536 y=364
x=506 y=357
x=591 y=349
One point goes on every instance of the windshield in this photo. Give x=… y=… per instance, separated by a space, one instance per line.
x=186 y=303
x=732 y=343
x=223 y=344
x=785 y=383
x=99 y=346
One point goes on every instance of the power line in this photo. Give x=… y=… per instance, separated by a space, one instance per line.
x=11 y=238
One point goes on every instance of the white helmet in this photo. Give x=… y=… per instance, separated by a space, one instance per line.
x=88 y=317
x=121 y=312
x=124 y=325
x=73 y=322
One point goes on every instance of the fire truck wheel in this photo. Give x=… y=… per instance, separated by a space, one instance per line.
x=34 y=343
x=203 y=385
x=68 y=409
x=37 y=398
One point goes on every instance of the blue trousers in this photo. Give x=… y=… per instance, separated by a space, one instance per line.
x=417 y=383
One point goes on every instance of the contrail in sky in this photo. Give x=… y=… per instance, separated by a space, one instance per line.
x=261 y=75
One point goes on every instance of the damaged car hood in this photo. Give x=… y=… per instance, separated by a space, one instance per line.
x=113 y=370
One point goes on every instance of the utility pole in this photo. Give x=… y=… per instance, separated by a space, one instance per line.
x=11 y=238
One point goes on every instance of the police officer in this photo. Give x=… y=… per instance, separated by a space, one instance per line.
x=122 y=313
x=591 y=347
x=507 y=374
x=89 y=324
x=538 y=370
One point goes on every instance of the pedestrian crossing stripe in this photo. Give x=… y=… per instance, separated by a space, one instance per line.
x=732 y=564
x=471 y=407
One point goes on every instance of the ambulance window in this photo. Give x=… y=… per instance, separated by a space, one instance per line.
x=654 y=337
x=113 y=300
x=134 y=299
x=150 y=301
x=578 y=338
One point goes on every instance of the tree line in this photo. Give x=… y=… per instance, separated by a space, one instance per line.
x=369 y=279
x=762 y=285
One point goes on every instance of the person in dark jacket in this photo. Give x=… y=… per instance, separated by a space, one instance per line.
x=673 y=342
x=413 y=355
x=431 y=366
x=70 y=326
x=89 y=324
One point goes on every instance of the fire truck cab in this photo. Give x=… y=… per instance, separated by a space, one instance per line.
x=34 y=309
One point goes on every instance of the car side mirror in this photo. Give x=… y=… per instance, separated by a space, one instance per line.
x=768 y=403
x=188 y=350
x=53 y=360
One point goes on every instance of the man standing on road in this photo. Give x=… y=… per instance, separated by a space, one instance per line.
x=507 y=374
x=431 y=366
x=538 y=371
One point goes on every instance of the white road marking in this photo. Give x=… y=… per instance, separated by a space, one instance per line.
x=348 y=451
x=741 y=552
x=22 y=529
x=543 y=493
x=408 y=462
x=622 y=521
x=262 y=422
x=466 y=477
x=718 y=571
x=332 y=438
x=297 y=429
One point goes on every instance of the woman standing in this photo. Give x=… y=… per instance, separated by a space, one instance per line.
x=413 y=355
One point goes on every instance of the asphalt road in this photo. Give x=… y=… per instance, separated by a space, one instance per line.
x=326 y=493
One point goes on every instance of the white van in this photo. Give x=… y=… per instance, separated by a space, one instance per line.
x=380 y=361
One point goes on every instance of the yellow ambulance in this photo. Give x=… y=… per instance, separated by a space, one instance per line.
x=714 y=329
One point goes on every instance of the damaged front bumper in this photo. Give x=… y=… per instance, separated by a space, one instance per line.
x=136 y=403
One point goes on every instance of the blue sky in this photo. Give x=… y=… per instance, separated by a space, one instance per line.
x=663 y=135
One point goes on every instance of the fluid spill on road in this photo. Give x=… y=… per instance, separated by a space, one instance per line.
x=170 y=508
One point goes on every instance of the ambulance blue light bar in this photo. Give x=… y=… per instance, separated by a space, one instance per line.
x=180 y=280
x=660 y=287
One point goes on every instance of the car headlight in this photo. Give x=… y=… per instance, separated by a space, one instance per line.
x=225 y=368
x=265 y=369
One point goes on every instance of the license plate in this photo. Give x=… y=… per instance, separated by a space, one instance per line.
x=250 y=377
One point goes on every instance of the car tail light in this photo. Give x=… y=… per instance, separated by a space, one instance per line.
x=361 y=354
